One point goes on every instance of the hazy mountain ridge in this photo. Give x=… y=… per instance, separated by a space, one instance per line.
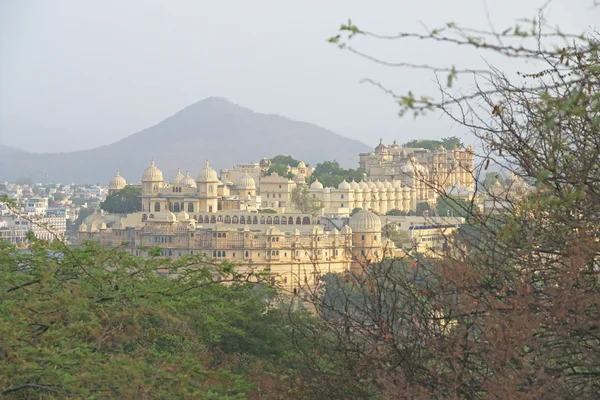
x=214 y=129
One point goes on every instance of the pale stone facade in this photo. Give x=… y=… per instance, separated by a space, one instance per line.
x=425 y=170
x=295 y=258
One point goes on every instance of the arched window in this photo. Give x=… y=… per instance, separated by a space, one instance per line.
x=155 y=187
x=283 y=221
x=269 y=220
x=144 y=217
x=206 y=219
x=306 y=221
x=223 y=254
x=176 y=207
x=342 y=196
x=243 y=220
x=262 y=220
x=276 y=220
x=170 y=253
x=255 y=220
x=213 y=219
x=291 y=220
x=235 y=219
x=210 y=209
x=151 y=215
x=246 y=253
x=191 y=207
x=214 y=253
x=173 y=189
x=220 y=218
x=219 y=253
x=157 y=206
x=227 y=219
x=298 y=221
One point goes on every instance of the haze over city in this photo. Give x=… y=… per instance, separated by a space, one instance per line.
x=75 y=75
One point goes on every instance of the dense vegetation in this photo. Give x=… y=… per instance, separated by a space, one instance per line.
x=510 y=313
x=331 y=174
x=449 y=143
x=124 y=201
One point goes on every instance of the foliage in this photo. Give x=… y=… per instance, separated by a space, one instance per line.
x=449 y=206
x=267 y=211
x=355 y=210
x=399 y=213
x=280 y=169
x=96 y=323
x=57 y=196
x=303 y=201
x=449 y=143
x=491 y=178
x=511 y=310
x=423 y=208
x=285 y=161
x=124 y=201
x=401 y=239
x=331 y=174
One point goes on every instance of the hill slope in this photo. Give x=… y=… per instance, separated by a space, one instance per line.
x=213 y=129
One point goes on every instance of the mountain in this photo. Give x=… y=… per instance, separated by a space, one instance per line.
x=4 y=150
x=214 y=129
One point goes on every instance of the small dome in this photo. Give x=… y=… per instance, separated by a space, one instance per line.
x=380 y=149
x=301 y=164
x=176 y=180
x=225 y=179
x=390 y=189
x=363 y=185
x=394 y=145
x=346 y=230
x=327 y=190
x=371 y=185
x=387 y=184
x=365 y=221
x=316 y=185
x=344 y=185
x=379 y=185
x=354 y=185
x=207 y=174
x=245 y=182
x=117 y=182
x=188 y=180
x=152 y=174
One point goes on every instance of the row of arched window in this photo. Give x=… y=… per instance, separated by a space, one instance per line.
x=228 y=219
x=176 y=207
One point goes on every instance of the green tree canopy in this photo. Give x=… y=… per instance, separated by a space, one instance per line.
x=304 y=202
x=124 y=201
x=280 y=169
x=331 y=174
x=449 y=143
x=285 y=160
x=448 y=206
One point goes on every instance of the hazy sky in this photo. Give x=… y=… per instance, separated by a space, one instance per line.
x=91 y=72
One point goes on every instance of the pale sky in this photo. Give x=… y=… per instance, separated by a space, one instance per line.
x=87 y=73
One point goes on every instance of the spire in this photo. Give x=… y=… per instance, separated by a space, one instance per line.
x=380 y=140
x=152 y=163
x=178 y=171
x=206 y=163
x=118 y=172
x=187 y=172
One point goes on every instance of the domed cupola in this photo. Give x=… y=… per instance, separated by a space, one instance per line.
x=344 y=185
x=152 y=174
x=394 y=145
x=176 y=180
x=188 y=180
x=207 y=174
x=117 y=182
x=301 y=164
x=365 y=221
x=245 y=182
x=381 y=148
x=316 y=185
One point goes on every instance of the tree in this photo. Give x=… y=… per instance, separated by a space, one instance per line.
x=331 y=174
x=303 y=201
x=281 y=170
x=515 y=313
x=399 y=213
x=267 y=211
x=448 y=206
x=58 y=196
x=355 y=210
x=285 y=161
x=401 y=239
x=449 y=143
x=491 y=178
x=124 y=201
x=423 y=207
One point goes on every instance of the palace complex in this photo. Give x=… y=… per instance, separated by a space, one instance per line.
x=222 y=216
x=439 y=168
